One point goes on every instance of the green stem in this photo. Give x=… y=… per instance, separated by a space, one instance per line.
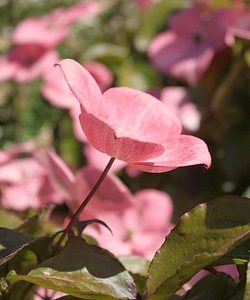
x=83 y=205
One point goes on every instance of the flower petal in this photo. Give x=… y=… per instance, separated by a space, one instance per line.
x=179 y=152
x=140 y=112
x=118 y=142
x=83 y=85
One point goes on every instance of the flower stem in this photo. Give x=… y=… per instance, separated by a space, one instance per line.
x=83 y=205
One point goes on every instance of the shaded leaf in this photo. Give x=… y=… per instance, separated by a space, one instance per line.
x=202 y=236
x=247 y=287
x=34 y=226
x=9 y=220
x=81 y=225
x=211 y=287
x=14 y=242
x=10 y=242
x=83 y=271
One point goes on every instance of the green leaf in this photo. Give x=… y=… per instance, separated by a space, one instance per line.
x=211 y=287
x=138 y=267
x=153 y=20
x=137 y=74
x=202 y=236
x=34 y=226
x=10 y=242
x=8 y=219
x=247 y=288
x=84 y=271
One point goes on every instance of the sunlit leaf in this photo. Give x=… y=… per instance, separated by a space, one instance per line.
x=84 y=271
x=203 y=235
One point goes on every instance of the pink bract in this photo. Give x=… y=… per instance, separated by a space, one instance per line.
x=186 y=50
x=131 y=125
x=112 y=195
x=145 y=4
x=50 y=29
x=57 y=92
x=25 y=63
x=240 y=27
x=177 y=99
x=139 y=229
x=22 y=184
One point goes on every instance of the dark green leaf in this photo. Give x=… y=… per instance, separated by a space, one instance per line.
x=211 y=287
x=83 y=271
x=10 y=242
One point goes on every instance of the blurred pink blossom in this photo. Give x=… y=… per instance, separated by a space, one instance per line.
x=99 y=160
x=26 y=62
x=240 y=28
x=43 y=293
x=139 y=229
x=186 y=50
x=145 y=4
x=23 y=185
x=34 y=40
x=50 y=29
x=112 y=195
x=23 y=180
x=131 y=125
x=177 y=100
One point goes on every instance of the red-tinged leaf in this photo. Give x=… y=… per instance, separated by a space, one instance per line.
x=202 y=236
x=84 y=271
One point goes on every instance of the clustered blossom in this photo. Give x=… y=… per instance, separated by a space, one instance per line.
x=141 y=132
x=194 y=36
x=34 y=52
x=139 y=222
x=186 y=50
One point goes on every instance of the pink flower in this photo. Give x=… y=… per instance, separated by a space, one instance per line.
x=25 y=63
x=145 y=4
x=43 y=293
x=99 y=160
x=112 y=195
x=240 y=28
x=177 y=100
x=21 y=181
x=24 y=181
x=186 y=50
x=139 y=229
x=131 y=125
x=34 y=40
x=50 y=29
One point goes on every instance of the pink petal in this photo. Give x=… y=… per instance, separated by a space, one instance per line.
x=183 y=151
x=140 y=113
x=100 y=73
x=83 y=85
x=117 y=142
x=61 y=177
x=99 y=160
x=180 y=56
x=155 y=209
x=112 y=195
